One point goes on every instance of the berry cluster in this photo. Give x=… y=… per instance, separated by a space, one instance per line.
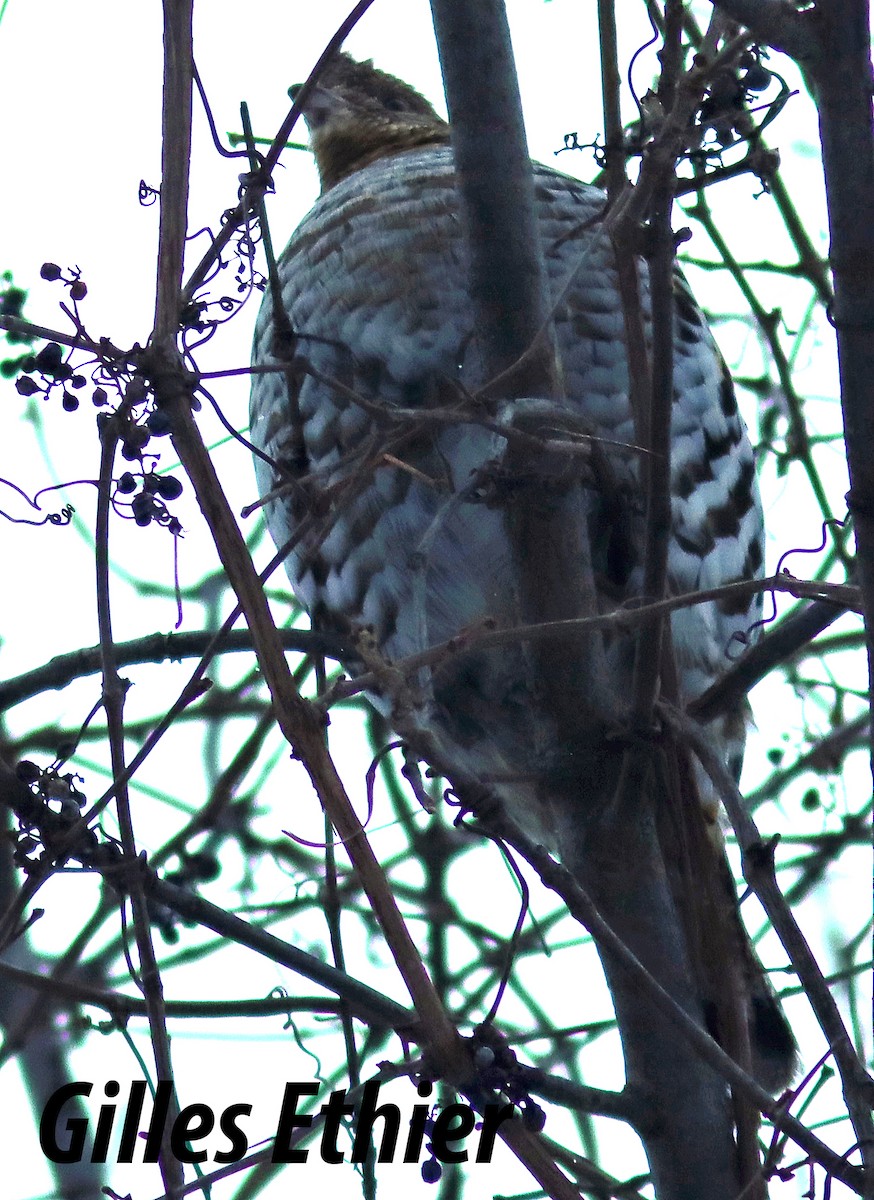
x=50 y=362
x=498 y=1071
x=725 y=109
x=48 y=811
x=56 y=372
x=149 y=491
x=498 y=1074
x=50 y=829
x=145 y=493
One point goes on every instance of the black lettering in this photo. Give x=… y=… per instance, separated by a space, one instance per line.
x=194 y=1122
x=367 y=1114
x=155 y=1136
x=234 y=1134
x=131 y=1126
x=105 y=1119
x=444 y=1132
x=335 y=1110
x=416 y=1136
x=76 y=1126
x=283 y=1152
x=493 y=1117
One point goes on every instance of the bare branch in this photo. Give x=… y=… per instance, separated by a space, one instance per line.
x=777 y=646
x=155 y=648
x=759 y=872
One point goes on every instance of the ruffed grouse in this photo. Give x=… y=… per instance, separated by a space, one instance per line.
x=401 y=522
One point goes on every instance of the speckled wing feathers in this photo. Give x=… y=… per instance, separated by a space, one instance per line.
x=402 y=503
x=374 y=284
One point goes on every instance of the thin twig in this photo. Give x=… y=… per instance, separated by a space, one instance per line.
x=759 y=872
x=61 y=670
x=614 y=135
x=113 y=700
x=255 y=189
x=843 y=596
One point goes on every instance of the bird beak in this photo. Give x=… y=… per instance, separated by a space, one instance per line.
x=321 y=104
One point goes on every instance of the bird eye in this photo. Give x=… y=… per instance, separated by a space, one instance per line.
x=393 y=104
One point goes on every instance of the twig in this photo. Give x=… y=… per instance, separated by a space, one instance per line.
x=826 y=752
x=557 y=878
x=759 y=872
x=255 y=189
x=113 y=700
x=61 y=670
x=75 y=341
x=656 y=466
x=843 y=596
x=581 y=907
x=614 y=135
x=777 y=646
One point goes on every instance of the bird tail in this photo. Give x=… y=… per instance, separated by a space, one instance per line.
x=741 y=1008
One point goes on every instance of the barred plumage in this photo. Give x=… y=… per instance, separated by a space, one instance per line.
x=404 y=532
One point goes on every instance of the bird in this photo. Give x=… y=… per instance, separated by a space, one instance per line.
x=380 y=452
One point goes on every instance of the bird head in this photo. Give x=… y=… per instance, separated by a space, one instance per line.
x=357 y=114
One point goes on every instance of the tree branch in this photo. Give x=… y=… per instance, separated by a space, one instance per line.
x=156 y=648
x=777 y=646
x=759 y=872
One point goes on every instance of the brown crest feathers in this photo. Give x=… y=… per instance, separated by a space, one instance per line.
x=357 y=114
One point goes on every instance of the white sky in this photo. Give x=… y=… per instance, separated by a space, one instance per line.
x=80 y=85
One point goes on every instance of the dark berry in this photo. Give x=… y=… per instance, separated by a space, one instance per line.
x=757 y=78
x=98 y=397
x=143 y=508
x=505 y=1057
x=25 y=386
x=168 y=487
x=810 y=800
x=27 y=772
x=69 y=402
x=127 y=484
x=136 y=438
x=431 y=1170
x=723 y=88
x=50 y=271
x=533 y=1117
x=203 y=867
x=78 y=290
x=158 y=423
x=50 y=358
x=78 y=381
